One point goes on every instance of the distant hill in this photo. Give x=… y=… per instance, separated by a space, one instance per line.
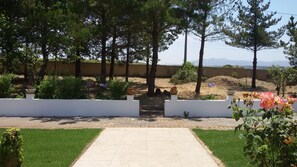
x=247 y=64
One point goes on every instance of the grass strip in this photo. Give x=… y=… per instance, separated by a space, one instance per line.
x=225 y=145
x=56 y=147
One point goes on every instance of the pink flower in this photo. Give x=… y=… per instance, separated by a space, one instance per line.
x=280 y=102
x=266 y=95
x=267 y=100
x=267 y=103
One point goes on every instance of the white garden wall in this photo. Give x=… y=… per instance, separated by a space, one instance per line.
x=202 y=108
x=69 y=108
x=98 y=108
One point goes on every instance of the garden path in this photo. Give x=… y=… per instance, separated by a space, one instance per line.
x=146 y=147
x=106 y=122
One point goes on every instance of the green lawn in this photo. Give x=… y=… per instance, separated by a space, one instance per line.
x=58 y=147
x=225 y=145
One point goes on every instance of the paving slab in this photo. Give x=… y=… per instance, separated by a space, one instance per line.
x=146 y=147
x=107 y=122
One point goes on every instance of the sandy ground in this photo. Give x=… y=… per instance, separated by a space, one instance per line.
x=219 y=88
x=221 y=84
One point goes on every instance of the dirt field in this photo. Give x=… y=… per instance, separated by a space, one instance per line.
x=217 y=86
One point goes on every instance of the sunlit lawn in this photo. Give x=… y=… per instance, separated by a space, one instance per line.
x=225 y=145
x=54 y=148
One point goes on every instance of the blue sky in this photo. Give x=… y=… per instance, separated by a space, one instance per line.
x=174 y=55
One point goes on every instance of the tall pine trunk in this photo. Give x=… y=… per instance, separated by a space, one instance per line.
x=128 y=56
x=113 y=56
x=152 y=74
x=9 y=55
x=44 y=42
x=254 y=69
x=200 y=66
x=44 y=62
x=147 y=64
x=201 y=55
x=44 y=53
x=103 y=60
x=186 y=46
x=26 y=77
x=77 y=64
x=103 y=50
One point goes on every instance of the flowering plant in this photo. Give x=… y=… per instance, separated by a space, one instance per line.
x=270 y=131
x=103 y=85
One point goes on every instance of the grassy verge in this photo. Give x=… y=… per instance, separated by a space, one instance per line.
x=225 y=145
x=58 y=147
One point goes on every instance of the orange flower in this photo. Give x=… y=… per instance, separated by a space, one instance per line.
x=267 y=100
x=245 y=95
x=291 y=100
x=279 y=101
x=289 y=140
x=255 y=95
x=287 y=106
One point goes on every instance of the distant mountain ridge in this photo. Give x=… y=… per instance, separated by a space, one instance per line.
x=244 y=63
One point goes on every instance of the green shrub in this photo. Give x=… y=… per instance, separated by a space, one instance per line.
x=208 y=97
x=185 y=74
x=102 y=94
x=47 y=88
x=66 y=88
x=6 y=87
x=117 y=89
x=71 y=88
x=10 y=150
x=231 y=66
x=281 y=77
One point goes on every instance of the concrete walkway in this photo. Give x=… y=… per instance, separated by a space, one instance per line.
x=107 y=122
x=146 y=147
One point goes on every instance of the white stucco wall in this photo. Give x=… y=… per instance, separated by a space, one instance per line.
x=130 y=107
x=69 y=108
x=203 y=108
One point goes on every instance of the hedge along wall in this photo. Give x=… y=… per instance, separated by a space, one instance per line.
x=139 y=70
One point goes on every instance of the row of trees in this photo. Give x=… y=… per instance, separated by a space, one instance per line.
x=130 y=30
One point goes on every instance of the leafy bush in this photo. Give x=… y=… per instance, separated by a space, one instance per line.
x=10 y=150
x=208 y=97
x=270 y=132
x=117 y=89
x=281 y=77
x=48 y=88
x=67 y=88
x=102 y=94
x=6 y=87
x=71 y=88
x=185 y=74
x=231 y=66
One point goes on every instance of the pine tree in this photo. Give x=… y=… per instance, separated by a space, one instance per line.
x=10 y=30
x=250 y=30
x=208 y=20
x=291 y=49
x=159 y=21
